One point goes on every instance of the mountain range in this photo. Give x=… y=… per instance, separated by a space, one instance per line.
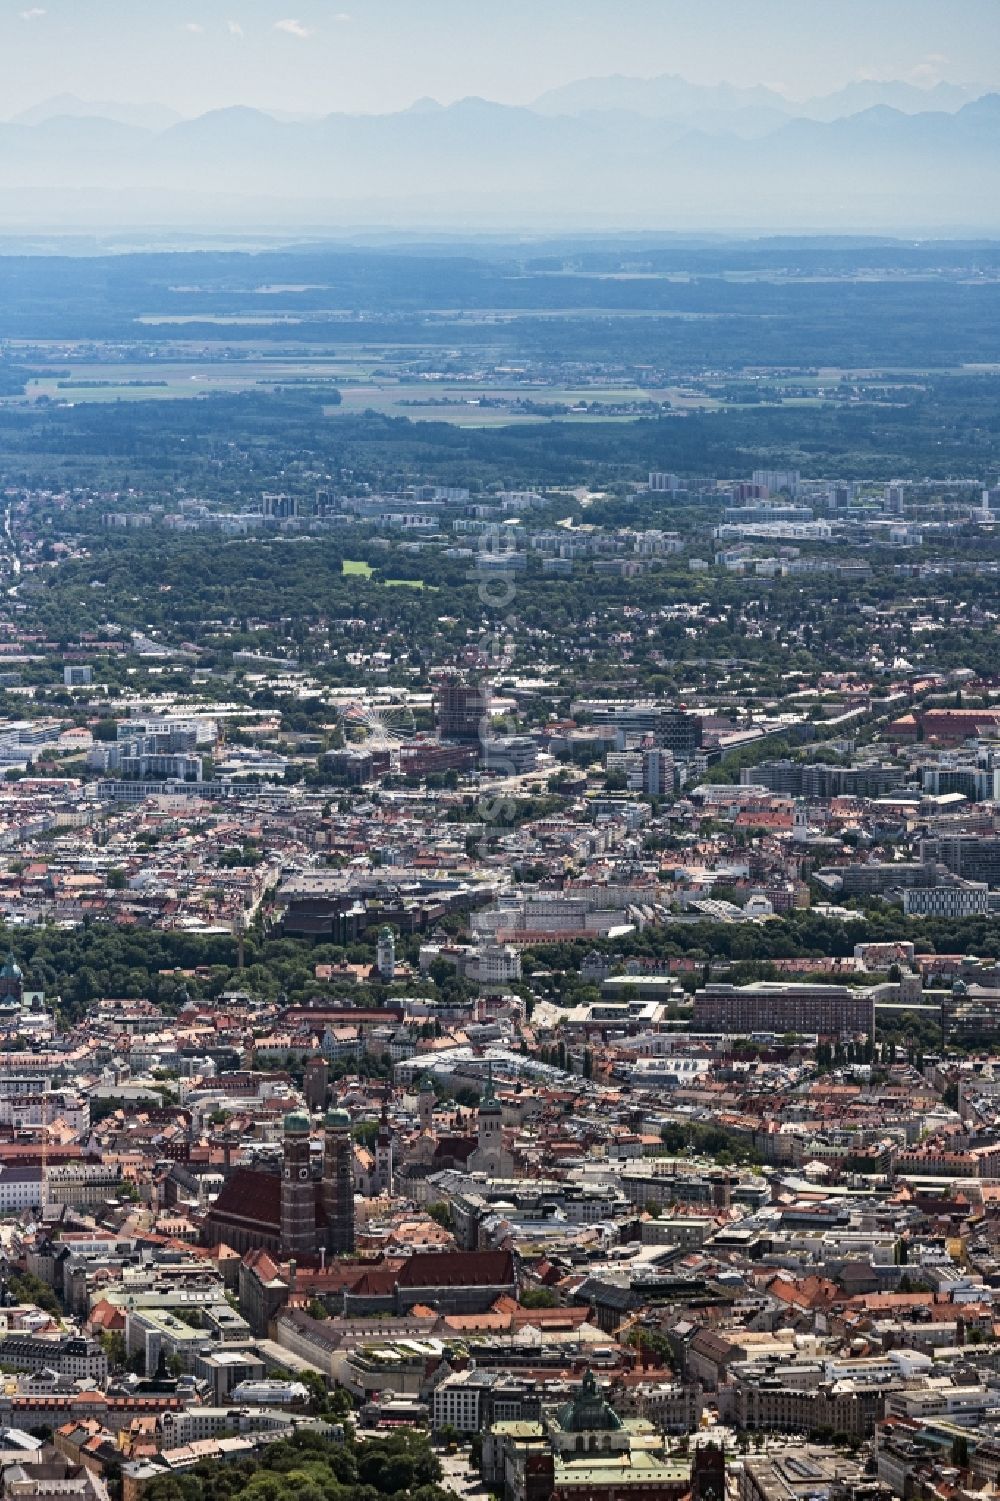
x=668 y=96
x=651 y=153
x=144 y=116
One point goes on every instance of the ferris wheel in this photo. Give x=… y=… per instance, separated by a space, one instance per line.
x=381 y=727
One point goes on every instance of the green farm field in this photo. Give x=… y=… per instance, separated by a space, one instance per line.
x=379 y=378
x=357 y=568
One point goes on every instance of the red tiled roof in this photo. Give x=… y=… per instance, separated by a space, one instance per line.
x=458 y=1269
x=264 y=1265
x=251 y=1196
x=105 y=1315
x=458 y=1148
x=375 y=1282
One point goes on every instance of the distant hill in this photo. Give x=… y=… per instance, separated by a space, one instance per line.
x=663 y=97
x=734 y=164
x=907 y=97
x=671 y=97
x=142 y=116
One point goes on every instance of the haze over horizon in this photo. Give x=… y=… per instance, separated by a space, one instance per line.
x=377 y=56
x=879 y=118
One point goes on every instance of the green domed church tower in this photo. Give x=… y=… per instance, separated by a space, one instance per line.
x=298 y=1194
x=338 y=1182
x=11 y=978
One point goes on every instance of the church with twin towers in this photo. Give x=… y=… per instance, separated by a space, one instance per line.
x=292 y=1213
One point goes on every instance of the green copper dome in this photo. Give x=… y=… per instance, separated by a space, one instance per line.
x=338 y=1118
x=588 y=1411
x=297 y=1123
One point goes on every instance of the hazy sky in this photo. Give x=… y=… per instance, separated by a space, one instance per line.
x=324 y=55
